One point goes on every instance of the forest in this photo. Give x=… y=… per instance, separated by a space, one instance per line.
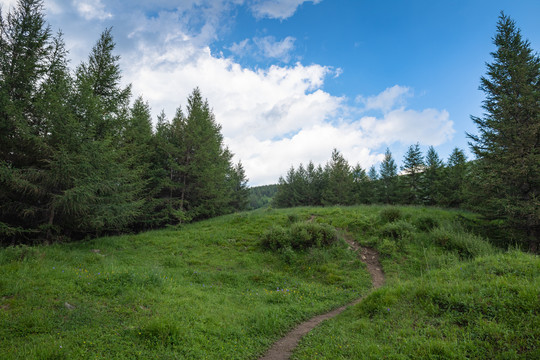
x=79 y=157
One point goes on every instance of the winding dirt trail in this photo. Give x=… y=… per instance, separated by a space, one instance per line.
x=283 y=348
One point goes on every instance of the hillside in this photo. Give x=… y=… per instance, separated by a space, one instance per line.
x=212 y=290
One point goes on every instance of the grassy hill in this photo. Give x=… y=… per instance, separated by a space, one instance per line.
x=211 y=290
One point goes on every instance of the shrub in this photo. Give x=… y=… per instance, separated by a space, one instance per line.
x=299 y=236
x=426 y=223
x=293 y=218
x=387 y=247
x=399 y=230
x=452 y=237
x=390 y=214
x=275 y=238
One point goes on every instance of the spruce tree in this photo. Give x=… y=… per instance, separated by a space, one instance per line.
x=388 y=179
x=413 y=167
x=26 y=55
x=507 y=145
x=104 y=194
x=238 y=187
x=340 y=181
x=432 y=177
x=361 y=189
x=204 y=161
x=373 y=186
x=454 y=180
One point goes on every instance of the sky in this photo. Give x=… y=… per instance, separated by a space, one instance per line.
x=290 y=80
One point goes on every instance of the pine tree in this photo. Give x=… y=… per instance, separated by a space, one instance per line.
x=413 y=167
x=508 y=142
x=454 y=180
x=104 y=194
x=373 y=185
x=340 y=181
x=432 y=177
x=205 y=162
x=238 y=186
x=361 y=187
x=139 y=153
x=388 y=179
x=26 y=55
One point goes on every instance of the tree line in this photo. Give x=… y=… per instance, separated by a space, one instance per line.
x=421 y=181
x=502 y=183
x=78 y=157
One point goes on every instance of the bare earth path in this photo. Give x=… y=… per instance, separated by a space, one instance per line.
x=283 y=348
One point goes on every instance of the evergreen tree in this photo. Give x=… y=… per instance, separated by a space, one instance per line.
x=238 y=187
x=388 y=179
x=26 y=62
x=138 y=149
x=205 y=162
x=361 y=187
x=413 y=167
x=432 y=177
x=454 y=180
x=508 y=143
x=104 y=192
x=284 y=195
x=340 y=181
x=315 y=180
x=373 y=185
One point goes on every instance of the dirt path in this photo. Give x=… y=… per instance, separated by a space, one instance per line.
x=283 y=348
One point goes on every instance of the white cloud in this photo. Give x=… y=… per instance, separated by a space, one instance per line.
x=386 y=100
x=92 y=9
x=272 y=117
x=271 y=48
x=265 y=47
x=277 y=9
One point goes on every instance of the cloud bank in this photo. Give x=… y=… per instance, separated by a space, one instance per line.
x=272 y=117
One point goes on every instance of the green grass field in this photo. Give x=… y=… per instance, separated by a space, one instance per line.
x=210 y=290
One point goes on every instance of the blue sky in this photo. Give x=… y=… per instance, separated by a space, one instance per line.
x=289 y=80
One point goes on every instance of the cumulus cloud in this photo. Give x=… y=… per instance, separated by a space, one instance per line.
x=277 y=9
x=92 y=9
x=272 y=117
x=386 y=100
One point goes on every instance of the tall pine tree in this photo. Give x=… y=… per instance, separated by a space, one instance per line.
x=508 y=142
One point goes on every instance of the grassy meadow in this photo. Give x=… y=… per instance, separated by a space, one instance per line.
x=213 y=290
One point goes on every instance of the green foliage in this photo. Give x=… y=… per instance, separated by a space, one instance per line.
x=454 y=238
x=413 y=167
x=399 y=230
x=390 y=214
x=507 y=173
x=426 y=223
x=261 y=196
x=299 y=236
x=388 y=184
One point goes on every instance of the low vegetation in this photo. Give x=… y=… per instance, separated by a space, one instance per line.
x=215 y=289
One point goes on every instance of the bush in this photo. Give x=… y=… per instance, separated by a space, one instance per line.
x=390 y=214
x=275 y=238
x=426 y=223
x=299 y=236
x=293 y=218
x=453 y=237
x=399 y=230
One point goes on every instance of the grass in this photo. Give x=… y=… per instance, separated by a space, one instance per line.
x=211 y=290
x=449 y=295
x=207 y=290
